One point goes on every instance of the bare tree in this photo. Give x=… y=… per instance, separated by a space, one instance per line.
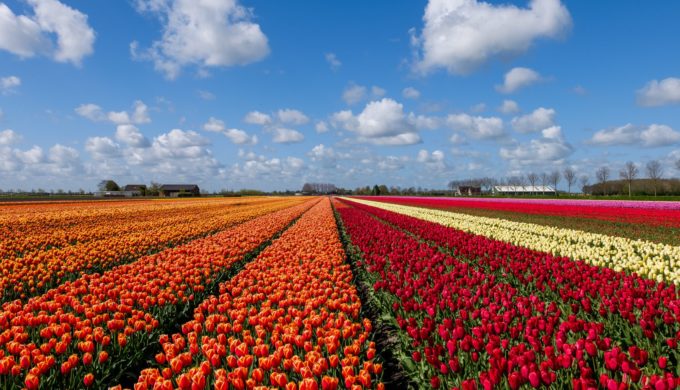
x=532 y=178
x=584 y=182
x=555 y=178
x=545 y=179
x=570 y=177
x=629 y=173
x=654 y=172
x=602 y=175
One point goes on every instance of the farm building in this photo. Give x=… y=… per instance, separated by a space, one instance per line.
x=135 y=189
x=179 y=190
x=524 y=190
x=468 y=191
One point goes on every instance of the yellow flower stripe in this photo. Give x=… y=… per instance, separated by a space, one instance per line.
x=655 y=261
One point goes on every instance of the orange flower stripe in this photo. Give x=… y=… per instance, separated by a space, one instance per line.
x=74 y=334
x=44 y=245
x=290 y=319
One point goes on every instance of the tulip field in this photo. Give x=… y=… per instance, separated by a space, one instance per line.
x=339 y=292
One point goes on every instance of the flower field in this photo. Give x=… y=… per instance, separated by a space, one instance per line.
x=319 y=293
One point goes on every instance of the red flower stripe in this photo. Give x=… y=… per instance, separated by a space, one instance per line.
x=73 y=334
x=469 y=329
x=290 y=319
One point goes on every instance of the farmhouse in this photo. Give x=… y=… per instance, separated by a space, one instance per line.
x=135 y=189
x=179 y=190
x=524 y=190
x=468 y=191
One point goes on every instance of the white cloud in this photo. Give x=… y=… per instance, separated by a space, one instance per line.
x=131 y=136
x=64 y=160
x=550 y=148
x=286 y=136
x=354 y=94
x=321 y=127
x=205 y=33
x=476 y=126
x=30 y=35
x=382 y=122
x=479 y=107
x=333 y=61
x=651 y=136
x=9 y=137
x=434 y=160
x=206 y=95
x=9 y=84
x=517 y=78
x=324 y=155
x=377 y=92
x=541 y=118
x=32 y=156
x=93 y=112
x=460 y=35
x=660 y=93
x=257 y=118
x=410 y=93
x=509 y=107
x=101 y=148
x=236 y=136
x=292 y=117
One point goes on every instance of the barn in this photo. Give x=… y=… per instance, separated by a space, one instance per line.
x=179 y=190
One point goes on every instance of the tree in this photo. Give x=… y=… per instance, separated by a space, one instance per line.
x=570 y=177
x=532 y=178
x=555 y=178
x=584 y=182
x=154 y=189
x=376 y=190
x=677 y=164
x=629 y=173
x=108 y=185
x=383 y=189
x=654 y=172
x=602 y=175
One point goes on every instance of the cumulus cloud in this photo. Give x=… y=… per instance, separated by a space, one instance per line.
x=32 y=156
x=461 y=35
x=382 y=122
x=202 y=33
x=649 y=136
x=321 y=127
x=476 y=126
x=9 y=137
x=292 y=117
x=517 y=78
x=101 y=148
x=323 y=155
x=31 y=35
x=9 y=84
x=434 y=160
x=257 y=118
x=541 y=118
x=283 y=135
x=509 y=107
x=550 y=148
x=354 y=94
x=333 y=61
x=138 y=115
x=236 y=136
x=131 y=136
x=660 y=93
x=410 y=93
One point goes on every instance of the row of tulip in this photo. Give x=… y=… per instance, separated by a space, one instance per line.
x=628 y=305
x=651 y=260
x=33 y=227
x=290 y=319
x=117 y=242
x=87 y=332
x=467 y=328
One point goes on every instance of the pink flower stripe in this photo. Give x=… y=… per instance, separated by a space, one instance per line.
x=664 y=214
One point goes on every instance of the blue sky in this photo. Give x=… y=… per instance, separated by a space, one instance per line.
x=271 y=94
